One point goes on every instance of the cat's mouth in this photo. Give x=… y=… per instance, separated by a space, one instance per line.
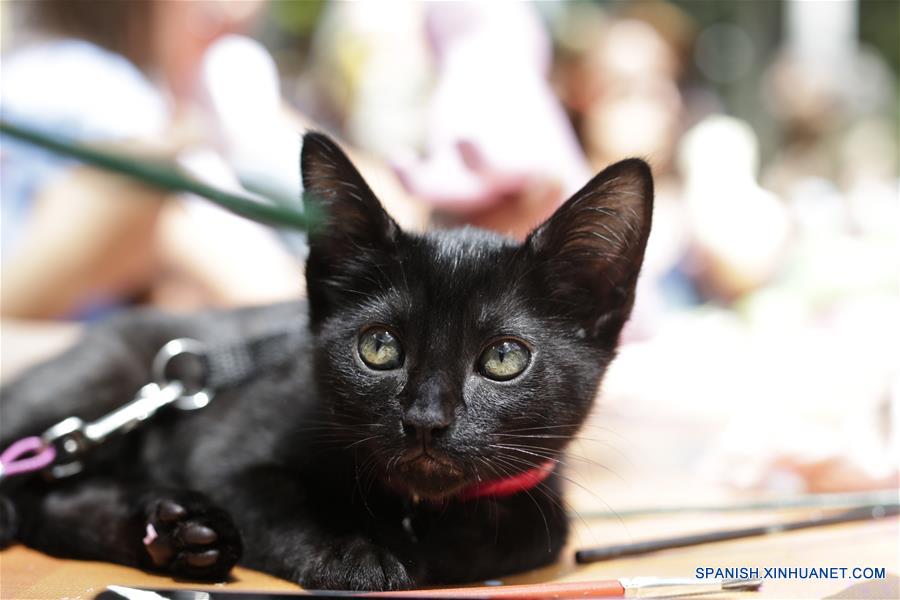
x=429 y=474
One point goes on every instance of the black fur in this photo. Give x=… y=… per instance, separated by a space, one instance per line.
x=319 y=463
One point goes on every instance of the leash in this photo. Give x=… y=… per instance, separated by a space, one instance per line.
x=60 y=450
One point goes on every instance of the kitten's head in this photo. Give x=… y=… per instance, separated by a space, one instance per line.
x=462 y=356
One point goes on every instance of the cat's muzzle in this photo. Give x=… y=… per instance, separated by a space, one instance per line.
x=429 y=473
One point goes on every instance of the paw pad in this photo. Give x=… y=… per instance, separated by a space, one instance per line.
x=191 y=539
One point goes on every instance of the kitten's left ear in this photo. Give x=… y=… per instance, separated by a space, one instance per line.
x=354 y=234
x=589 y=253
x=353 y=218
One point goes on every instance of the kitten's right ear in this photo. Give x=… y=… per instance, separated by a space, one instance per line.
x=352 y=217
x=589 y=253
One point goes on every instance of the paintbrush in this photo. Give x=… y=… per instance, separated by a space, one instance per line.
x=634 y=587
x=857 y=514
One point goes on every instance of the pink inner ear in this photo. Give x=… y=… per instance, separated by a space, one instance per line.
x=151 y=534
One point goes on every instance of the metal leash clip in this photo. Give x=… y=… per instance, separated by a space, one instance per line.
x=72 y=438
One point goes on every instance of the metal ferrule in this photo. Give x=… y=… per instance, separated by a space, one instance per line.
x=666 y=587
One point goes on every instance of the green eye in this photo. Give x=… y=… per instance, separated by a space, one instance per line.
x=504 y=360
x=379 y=349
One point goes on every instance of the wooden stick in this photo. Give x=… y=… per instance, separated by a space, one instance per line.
x=845 y=500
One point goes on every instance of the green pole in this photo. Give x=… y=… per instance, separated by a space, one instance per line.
x=165 y=175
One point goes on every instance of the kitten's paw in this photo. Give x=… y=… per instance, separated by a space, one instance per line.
x=355 y=564
x=186 y=535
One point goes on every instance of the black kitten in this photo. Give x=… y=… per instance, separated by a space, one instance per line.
x=407 y=437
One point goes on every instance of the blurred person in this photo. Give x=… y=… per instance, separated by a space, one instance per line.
x=637 y=107
x=618 y=76
x=495 y=133
x=76 y=238
x=60 y=221
x=147 y=77
x=496 y=148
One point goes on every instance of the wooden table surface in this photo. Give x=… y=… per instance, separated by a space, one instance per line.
x=26 y=574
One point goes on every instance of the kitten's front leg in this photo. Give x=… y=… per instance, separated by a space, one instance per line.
x=319 y=543
x=351 y=562
x=177 y=532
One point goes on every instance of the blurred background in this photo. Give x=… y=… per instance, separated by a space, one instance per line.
x=762 y=354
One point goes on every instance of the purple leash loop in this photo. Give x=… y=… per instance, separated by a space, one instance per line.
x=26 y=455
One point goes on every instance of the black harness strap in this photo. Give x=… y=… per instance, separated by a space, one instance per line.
x=234 y=363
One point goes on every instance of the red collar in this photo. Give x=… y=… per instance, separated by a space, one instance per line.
x=500 y=488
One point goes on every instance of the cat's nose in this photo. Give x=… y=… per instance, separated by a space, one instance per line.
x=425 y=423
x=430 y=412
